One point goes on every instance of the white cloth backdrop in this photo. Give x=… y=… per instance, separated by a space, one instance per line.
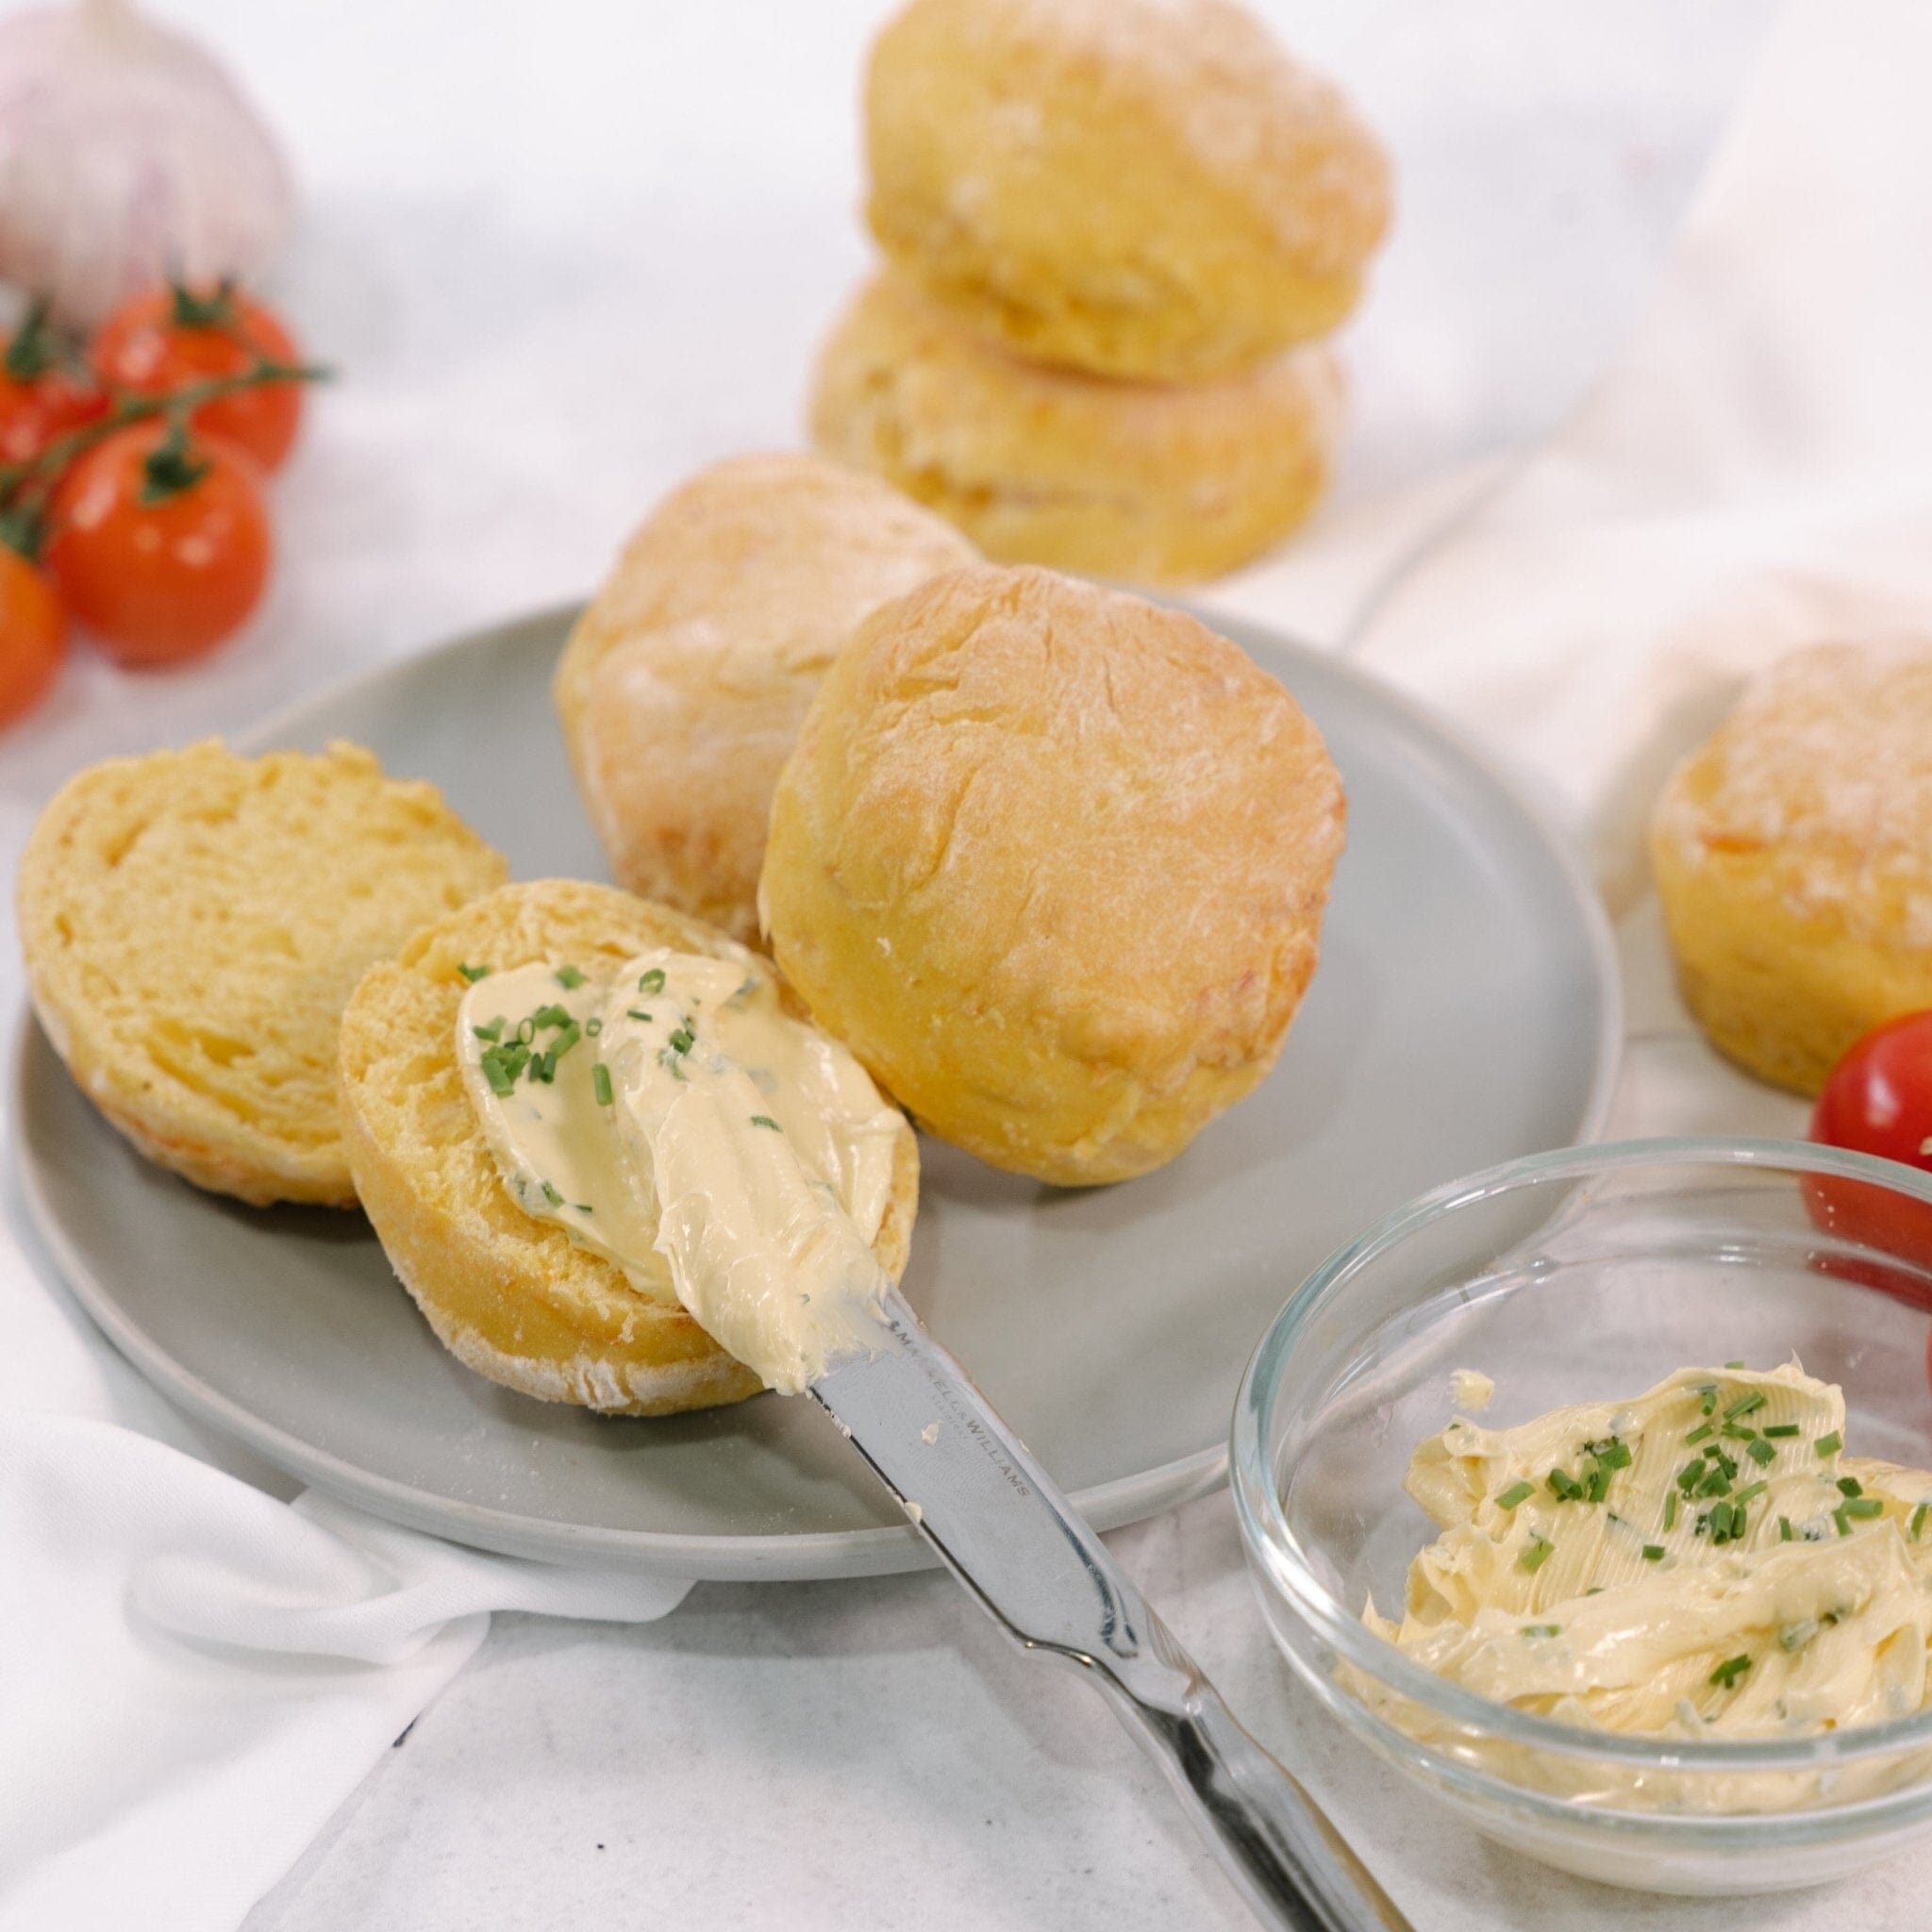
x=212 y=1669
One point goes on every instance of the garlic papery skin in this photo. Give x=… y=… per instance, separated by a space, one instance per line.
x=128 y=156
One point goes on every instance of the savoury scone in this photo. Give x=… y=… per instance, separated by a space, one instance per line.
x=1148 y=189
x=511 y=1295
x=1157 y=483
x=1051 y=861
x=1794 y=857
x=682 y=686
x=193 y=922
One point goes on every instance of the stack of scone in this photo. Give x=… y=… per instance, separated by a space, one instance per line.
x=1116 y=232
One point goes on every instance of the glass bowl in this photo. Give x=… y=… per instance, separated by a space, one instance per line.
x=1585 y=1275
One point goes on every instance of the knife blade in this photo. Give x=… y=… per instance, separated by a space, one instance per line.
x=1001 y=1525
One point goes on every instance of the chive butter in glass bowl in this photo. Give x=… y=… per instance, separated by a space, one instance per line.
x=1585 y=1275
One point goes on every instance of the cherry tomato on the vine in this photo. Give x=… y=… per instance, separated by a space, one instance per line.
x=33 y=634
x=168 y=338
x=45 y=390
x=1878 y=1100
x=160 y=542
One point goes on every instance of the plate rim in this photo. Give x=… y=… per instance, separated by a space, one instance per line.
x=753 y=1555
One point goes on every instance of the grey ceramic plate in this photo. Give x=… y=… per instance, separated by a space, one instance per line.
x=1465 y=1012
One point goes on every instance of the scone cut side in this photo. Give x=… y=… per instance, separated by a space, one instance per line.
x=512 y=1297
x=192 y=923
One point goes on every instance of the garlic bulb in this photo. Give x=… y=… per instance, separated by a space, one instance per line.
x=126 y=157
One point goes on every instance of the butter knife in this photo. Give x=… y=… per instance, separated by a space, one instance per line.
x=1006 y=1533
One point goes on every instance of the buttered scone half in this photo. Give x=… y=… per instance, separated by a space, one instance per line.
x=1053 y=860
x=1793 y=853
x=193 y=922
x=611 y=1161
x=683 y=684
x=1155 y=483
x=1144 y=188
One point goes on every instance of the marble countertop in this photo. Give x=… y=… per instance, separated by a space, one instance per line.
x=562 y=257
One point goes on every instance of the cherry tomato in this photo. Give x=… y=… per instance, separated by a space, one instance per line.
x=44 y=390
x=160 y=542
x=33 y=634
x=156 y=343
x=1878 y=1100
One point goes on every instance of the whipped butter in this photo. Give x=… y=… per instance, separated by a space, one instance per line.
x=1701 y=1562
x=669 y=1115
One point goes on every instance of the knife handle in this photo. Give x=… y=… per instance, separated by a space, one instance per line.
x=1272 y=1840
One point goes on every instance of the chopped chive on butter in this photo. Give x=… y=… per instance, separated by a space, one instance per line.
x=1747 y=1493
x=1670 y=1508
x=569 y=978
x=1739 y=1433
x=1838 y=1516
x=552 y=1015
x=1784 y=1529
x=1796 y=1635
x=1730 y=1671
x=1850 y=1486
x=594 y=1026
x=1782 y=1429
x=1652 y=1553
x=1710 y=1401
x=493 y=1031
x=473 y=974
x=1699 y=1433
x=632 y=1014
x=652 y=981
x=1864 y=1506
x=585 y=1207
x=1918 y=1523
x=551 y=1195
x=1829 y=1445
x=1521 y=1492
x=600 y=1083
x=1746 y=1405
x=1564 y=1485
x=683 y=1040
x=765 y=1119
x=1737 y=1364
x=1539 y=1552
x=1541 y=1630
x=1761 y=1452
x=527 y=1031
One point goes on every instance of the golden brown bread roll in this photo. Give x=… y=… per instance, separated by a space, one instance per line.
x=511 y=1296
x=1148 y=189
x=1157 y=483
x=682 y=686
x=1793 y=853
x=1051 y=861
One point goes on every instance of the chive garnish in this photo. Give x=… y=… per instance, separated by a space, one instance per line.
x=1652 y=1553
x=632 y=1014
x=1782 y=1429
x=1763 y=1454
x=765 y=1119
x=1699 y=1433
x=1838 y=1516
x=1796 y=1635
x=1829 y=1445
x=1730 y=1671
x=1739 y=1433
x=493 y=1031
x=1864 y=1506
x=1850 y=1486
x=1918 y=1523
x=569 y=978
x=1747 y=1493
x=1521 y=1492
x=473 y=974
x=1539 y=1552
x=1541 y=1630
x=527 y=1031
x=1710 y=1401
x=1737 y=1364
x=652 y=981
x=551 y=1195
x=585 y=1207
x=1784 y=1529
x=1746 y=1405
x=594 y=1026
x=1670 y=1508
x=600 y=1083
x=552 y=1015
x=683 y=1040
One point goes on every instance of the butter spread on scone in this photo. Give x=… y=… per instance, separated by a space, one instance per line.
x=674 y=1118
